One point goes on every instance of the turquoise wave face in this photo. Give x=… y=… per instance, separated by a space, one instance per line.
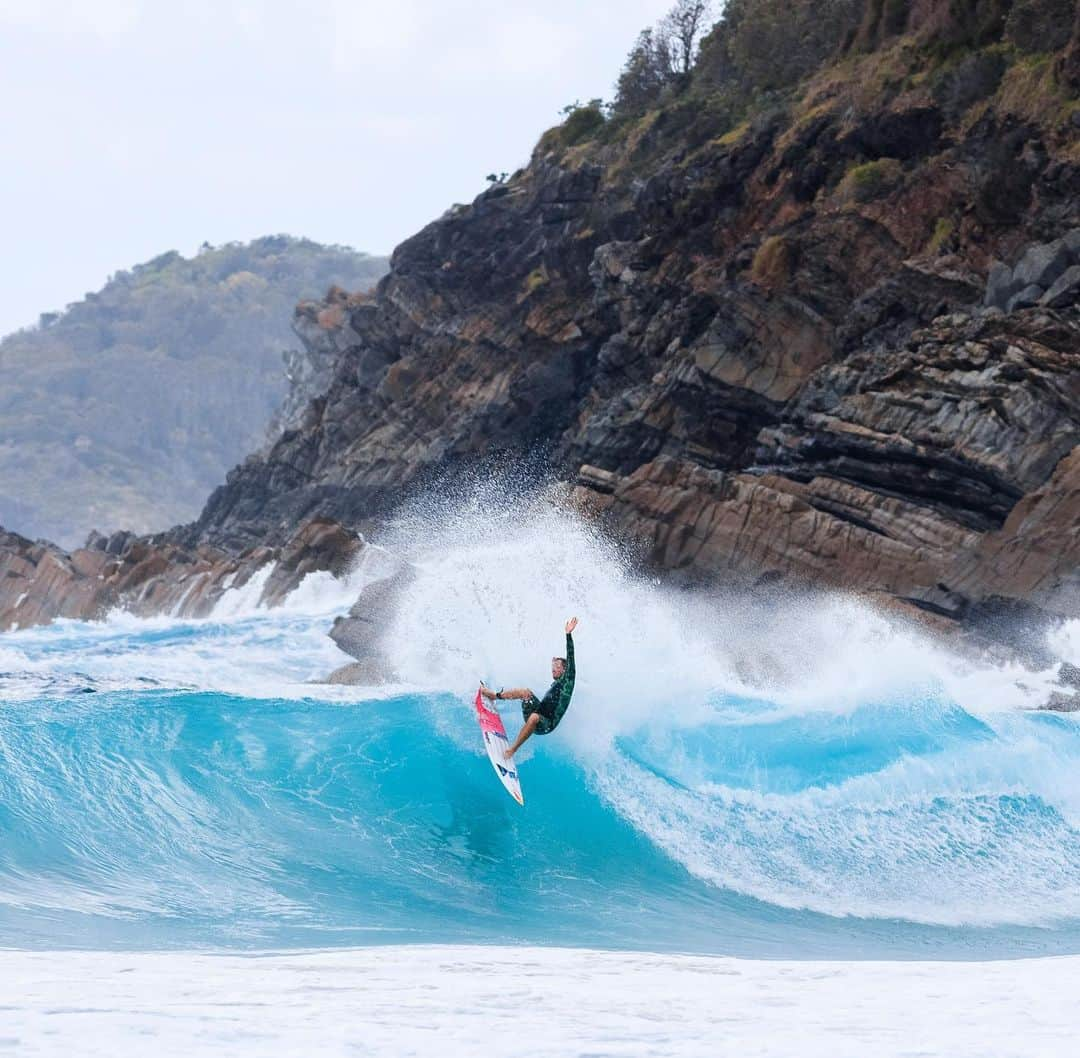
x=153 y=818
x=762 y=778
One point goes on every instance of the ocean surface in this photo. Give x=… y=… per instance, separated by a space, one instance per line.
x=796 y=779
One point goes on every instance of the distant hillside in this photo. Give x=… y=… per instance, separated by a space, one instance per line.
x=126 y=409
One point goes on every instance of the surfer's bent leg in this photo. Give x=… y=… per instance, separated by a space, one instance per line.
x=527 y=729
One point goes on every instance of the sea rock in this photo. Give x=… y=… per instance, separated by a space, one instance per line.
x=367 y=673
x=364 y=633
x=40 y=582
x=320 y=545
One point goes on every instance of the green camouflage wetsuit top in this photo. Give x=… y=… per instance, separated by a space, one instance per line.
x=552 y=707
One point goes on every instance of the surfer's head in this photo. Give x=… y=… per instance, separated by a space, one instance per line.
x=558 y=667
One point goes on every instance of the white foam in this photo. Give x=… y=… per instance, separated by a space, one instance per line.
x=929 y=839
x=532 y=1002
x=1065 y=642
x=494 y=591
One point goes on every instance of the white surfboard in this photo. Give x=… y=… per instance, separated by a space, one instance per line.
x=496 y=743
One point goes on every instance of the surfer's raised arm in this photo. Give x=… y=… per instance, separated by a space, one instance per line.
x=571 y=670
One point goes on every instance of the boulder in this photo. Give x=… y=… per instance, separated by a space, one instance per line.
x=1042 y=264
x=1027 y=297
x=1066 y=289
x=1001 y=286
x=366 y=673
x=319 y=545
x=118 y=541
x=364 y=632
x=96 y=541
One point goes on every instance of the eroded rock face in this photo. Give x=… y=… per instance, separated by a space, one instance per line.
x=364 y=632
x=741 y=362
x=147 y=576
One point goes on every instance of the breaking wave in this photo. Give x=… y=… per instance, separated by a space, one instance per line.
x=791 y=775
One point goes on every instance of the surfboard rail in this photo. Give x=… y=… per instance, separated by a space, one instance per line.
x=496 y=743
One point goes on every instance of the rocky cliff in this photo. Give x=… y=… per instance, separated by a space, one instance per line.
x=827 y=333
x=835 y=341
x=152 y=575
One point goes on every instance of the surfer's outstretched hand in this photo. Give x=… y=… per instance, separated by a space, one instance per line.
x=571 y=625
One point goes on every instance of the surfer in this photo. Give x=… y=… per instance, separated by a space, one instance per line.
x=542 y=715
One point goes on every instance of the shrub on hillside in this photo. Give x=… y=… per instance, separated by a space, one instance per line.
x=582 y=122
x=870 y=180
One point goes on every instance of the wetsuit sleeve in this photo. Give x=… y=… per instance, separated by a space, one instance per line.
x=567 y=680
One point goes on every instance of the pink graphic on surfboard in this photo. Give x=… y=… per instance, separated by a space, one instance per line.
x=496 y=743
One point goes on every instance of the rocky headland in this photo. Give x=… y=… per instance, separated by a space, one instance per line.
x=829 y=335
x=146 y=576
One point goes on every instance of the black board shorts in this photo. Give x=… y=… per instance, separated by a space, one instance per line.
x=534 y=705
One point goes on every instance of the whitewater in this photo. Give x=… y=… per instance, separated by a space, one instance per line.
x=767 y=825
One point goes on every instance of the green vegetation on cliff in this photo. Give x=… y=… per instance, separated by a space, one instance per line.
x=128 y=407
x=807 y=57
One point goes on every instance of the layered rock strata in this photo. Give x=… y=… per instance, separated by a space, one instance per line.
x=145 y=576
x=758 y=353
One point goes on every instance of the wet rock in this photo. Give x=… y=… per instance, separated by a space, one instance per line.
x=40 y=582
x=118 y=541
x=96 y=541
x=368 y=673
x=364 y=633
x=320 y=545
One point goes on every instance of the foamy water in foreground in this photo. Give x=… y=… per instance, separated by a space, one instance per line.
x=533 y=1003
x=797 y=780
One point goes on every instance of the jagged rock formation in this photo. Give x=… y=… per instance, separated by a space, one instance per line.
x=146 y=576
x=324 y=332
x=760 y=350
x=1048 y=274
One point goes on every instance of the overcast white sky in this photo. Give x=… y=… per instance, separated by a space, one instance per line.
x=131 y=127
